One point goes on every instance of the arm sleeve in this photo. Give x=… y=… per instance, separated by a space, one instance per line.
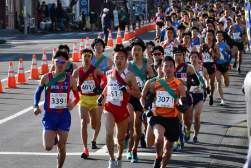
x=149 y=100
x=195 y=81
x=185 y=103
x=104 y=79
x=76 y=96
x=231 y=55
x=37 y=95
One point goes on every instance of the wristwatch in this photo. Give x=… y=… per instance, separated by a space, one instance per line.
x=34 y=106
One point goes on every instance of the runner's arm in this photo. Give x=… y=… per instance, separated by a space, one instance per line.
x=150 y=71
x=192 y=74
x=75 y=66
x=132 y=81
x=100 y=74
x=230 y=31
x=216 y=51
x=75 y=73
x=151 y=96
x=184 y=100
x=110 y=63
x=200 y=50
x=244 y=31
x=229 y=52
x=75 y=92
x=194 y=48
x=52 y=68
x=145 y=92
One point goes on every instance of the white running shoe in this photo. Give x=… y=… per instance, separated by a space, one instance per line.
x=247 y=48
x=112 y=164
x=222 y=103
x=119 y=163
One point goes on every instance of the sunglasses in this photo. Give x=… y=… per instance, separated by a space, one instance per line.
x=155 y=54
x=174 y=17
x=193 y=21
x=238 y=18
x=228 y=22
x=61 y=62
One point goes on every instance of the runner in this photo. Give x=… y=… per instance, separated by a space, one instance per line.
x=222 y=65
x=159 y=20
x=149 y=45
x=158 y=53
x=184 y=73
x=226 y=15
x=210 y=53
x=187 y=44
x=89 y=77
x=57 y=116
x=185 y=21
x=116 y=110
x=104 y=64
x=246 y=38
x=228 y=25
x=239 y=33
x=195 y=40
x=170 y=42
x=168 y=23
x=164 y=122
x=141 y=70
x=181 y=30
x=197 y=92
x=175 y=23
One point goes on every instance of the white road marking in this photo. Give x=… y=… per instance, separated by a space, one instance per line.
x=98 y=154
x=46 y=47
x=98 y=33
x=102 y=150
x=65 y=34
x=18 y=113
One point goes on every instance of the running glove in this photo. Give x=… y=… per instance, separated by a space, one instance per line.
x=98 y=90
x=99 y=100
x=122 y=87
x=180 y=108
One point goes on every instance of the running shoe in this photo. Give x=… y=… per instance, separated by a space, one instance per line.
x=238 y=70
x=234 y=65
x=195 y=139
x=187 y=136
x=112 y=164
x=134 y=157
x=222 y=103
x=143 y=141
x=119 y=163
x=85 y=154
x=244 y=52
x=157 y=163
x=211 y=100
x=176 y=146
x=94 y=146
x=126 y=142
x=129 y=155
x=56 y=139
x=247 y=49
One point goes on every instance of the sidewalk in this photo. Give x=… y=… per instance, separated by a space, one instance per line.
x=10 y=33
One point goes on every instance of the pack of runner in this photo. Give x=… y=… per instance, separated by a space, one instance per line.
x=161 y=86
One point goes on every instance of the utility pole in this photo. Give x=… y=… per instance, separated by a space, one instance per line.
x=25 y=18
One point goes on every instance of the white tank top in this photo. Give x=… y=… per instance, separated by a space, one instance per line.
x=168 y=47
x=188 y=53
x=114 y=95
x=192 y=89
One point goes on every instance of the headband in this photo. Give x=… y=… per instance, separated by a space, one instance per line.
x=89 y=53
x=170 y=31
x=120 y=52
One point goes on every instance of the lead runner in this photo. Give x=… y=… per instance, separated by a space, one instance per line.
x=57 y=116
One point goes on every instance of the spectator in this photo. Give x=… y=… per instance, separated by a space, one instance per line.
x=45 y=10
x=53 y=15
x=106 y=24
x=39 y=15
x=60 y=16
x=93 y=17
x=83 y=18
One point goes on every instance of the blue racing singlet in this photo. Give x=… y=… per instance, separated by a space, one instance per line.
x=195 y=42
x=103 y=67
x=57 y=96
x=223 y=54
x=175 y=24
x=183 y=75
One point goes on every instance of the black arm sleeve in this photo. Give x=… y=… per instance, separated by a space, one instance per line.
x=196 y=81
x=149 y=100
x=185 y=103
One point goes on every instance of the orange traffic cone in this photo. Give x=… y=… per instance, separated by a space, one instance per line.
x=87 y=44
x=81 y=48
x=141 y=27
x=21 y=80
x=44 y=66
x=110 y=41
x=34 y=71
x=131 y=31
x=11 y=82
x=126 y=34
x=119 y=38
x=137 y=32
x=1 y=87
x=53 y=54
x=74 y=56
x=99 y=35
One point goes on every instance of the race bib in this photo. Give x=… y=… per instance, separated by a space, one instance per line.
x=187 y=57
x=218 y=16
x=164 y=99
x=114 y=94
x=236 y=36
x=221 y=56
x=197 y=47
x=88 y=86
x=58 y=100
x=207 y=57
x=140 y=82
x=168 y=52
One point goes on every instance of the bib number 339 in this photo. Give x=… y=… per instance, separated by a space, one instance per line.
x=164 y=99
x=58 y=100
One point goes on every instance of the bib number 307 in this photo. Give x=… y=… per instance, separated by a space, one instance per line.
x=58 y=100
x=164 y=99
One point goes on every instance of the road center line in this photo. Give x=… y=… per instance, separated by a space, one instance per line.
x=97 y=154
x=18 y=113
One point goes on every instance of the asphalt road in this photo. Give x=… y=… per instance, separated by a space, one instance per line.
x=223 y=137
